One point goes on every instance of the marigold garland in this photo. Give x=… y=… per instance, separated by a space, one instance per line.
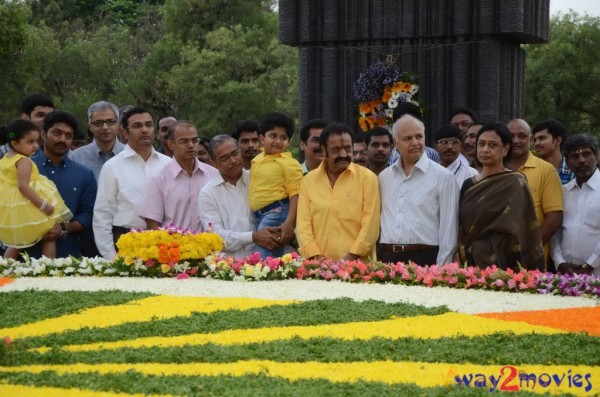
x=378 y=91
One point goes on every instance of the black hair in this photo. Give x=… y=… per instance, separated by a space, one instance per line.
x=334 y=129
x=60 y=116
x=204 y=141
x=554 y=127
x=131 y=112
x=277 y=119
x=467 y=111
x=579 y=141
x=360 y=138
x=309 y=125
x=378 y=131
x=244 y=126
x=407 y=108
x=447 y=131
x=503 y=132
x=17 y=130
x=32 y=101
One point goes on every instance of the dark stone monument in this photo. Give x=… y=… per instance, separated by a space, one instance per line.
x=465 y=53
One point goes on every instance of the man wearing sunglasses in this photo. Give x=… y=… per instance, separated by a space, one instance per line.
x=103 y=123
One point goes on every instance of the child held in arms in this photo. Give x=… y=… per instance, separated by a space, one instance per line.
x=275 y=181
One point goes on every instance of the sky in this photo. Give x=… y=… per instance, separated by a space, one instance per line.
x=592 y=7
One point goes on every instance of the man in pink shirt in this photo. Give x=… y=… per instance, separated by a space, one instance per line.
x=172 y=196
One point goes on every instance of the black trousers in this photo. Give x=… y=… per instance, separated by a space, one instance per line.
x=421 y=257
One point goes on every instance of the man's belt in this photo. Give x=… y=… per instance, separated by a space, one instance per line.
x=407 y=247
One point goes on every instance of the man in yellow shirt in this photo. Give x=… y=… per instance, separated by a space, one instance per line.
x=339 y=204
x=544 y=182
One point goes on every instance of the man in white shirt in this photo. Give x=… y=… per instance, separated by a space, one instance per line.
x=223 y=202
x=419 y=202
x=576 y=244
x=447 y=143
x=123 y=182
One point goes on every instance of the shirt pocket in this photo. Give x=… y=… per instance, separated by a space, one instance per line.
x=592 y=216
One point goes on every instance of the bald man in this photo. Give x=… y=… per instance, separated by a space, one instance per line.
x=543 y=180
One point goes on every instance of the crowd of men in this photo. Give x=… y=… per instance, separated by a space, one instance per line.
x=382 y=194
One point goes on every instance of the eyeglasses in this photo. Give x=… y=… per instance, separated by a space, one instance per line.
x=100 y=123
x=226 y=157
x=186 y=141
x=138 y=126
x=446 y=142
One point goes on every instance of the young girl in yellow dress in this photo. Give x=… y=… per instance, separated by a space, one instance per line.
x=30 y=204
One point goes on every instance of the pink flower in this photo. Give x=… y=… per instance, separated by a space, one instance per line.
x=182 y=276
x=512 y=284
x=149 y=263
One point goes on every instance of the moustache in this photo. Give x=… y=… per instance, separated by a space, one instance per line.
x=341 y=159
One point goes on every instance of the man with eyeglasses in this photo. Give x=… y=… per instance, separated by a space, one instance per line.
x=447 y=144
x=359 y=150
x=223 y=203
x=103 y=123
x=462 y=118
x=163 y=129
x=172 y=195
x=338 y=204
x=124 y=180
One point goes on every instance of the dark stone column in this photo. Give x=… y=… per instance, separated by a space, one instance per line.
x=464 y=52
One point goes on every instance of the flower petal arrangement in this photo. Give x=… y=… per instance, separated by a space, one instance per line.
x=379 y=90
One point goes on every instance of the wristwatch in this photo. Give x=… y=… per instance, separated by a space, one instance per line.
x=585 y=267
x=63 y=231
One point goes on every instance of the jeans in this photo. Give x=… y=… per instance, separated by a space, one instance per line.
x=273 y=218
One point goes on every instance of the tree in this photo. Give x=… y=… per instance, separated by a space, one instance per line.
x=562 y=78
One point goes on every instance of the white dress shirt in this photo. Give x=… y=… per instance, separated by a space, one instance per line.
x=224 y=208
x=463 y=159
x=420 y=208
x=461 y=171
x=121 y=189
x=578 y=240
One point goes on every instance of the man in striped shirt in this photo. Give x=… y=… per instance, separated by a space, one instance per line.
x=419 y=202
x=172 y=196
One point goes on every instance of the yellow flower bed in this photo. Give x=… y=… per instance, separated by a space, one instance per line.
x=147 y=309
x=420 y=373
x=425 y=327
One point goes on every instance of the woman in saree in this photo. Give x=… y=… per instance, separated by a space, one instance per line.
x=496 y=214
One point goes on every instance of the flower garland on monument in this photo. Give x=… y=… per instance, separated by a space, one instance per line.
x=379 y=90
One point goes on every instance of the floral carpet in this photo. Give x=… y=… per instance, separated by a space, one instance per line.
x=128 y=337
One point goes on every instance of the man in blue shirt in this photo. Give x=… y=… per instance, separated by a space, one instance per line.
x=76 y=184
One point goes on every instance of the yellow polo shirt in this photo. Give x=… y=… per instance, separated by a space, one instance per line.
x=546 y=189
x=333 y=221
x=544 y=184
x=273 y=177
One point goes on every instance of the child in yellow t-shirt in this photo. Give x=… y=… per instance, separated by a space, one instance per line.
x=275 y=181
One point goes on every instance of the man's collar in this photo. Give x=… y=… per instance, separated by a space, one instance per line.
x=422 y=163
x=129 y=152
x=46 y=160
x=454 y=166
x=217 y=179
x=530 y=162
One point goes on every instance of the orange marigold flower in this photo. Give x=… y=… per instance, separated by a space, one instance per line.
x=364 y=108
x=386 y=95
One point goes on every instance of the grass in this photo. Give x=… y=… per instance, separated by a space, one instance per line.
x=22 y=307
